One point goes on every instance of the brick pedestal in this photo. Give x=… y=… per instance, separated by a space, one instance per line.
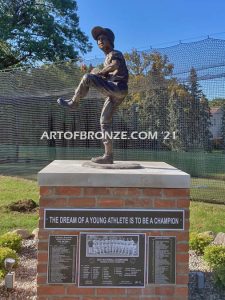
x=158 y=186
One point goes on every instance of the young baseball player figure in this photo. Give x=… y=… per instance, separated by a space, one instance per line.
x=111 y=81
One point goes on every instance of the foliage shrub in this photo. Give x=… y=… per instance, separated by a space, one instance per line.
x=2 y=274
x=215 y=257
x=6 y=252
x=199 y=241
x=11 y=240
x=219 y=274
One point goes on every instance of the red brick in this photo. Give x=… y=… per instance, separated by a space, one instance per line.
x=41 y=223
x=182 y=247
x=42 y=268
x=149 y=291
x=134 y=291
x=134 y=191
x=131 y=297
x=182 y=236
x=43 y=235
x=187 y=214
x=68 y=298
x=110 y=291
x=171 y=298
x=163 y=233
x=123 y=298
x=110 y=202
x=183 y=203
x=176 y=192
x=164 y=203
x=56 y=203
x=42 y=246
x=181 y=291
x=182 y=268
x=187 y=223
x=41 y=213
x=156 y=233
x=96 y=191
x=73 y=290
x=51 y=290
x=64 y=232
x=42 y=257
x=151 y=298
x=68 y=190
x=137 y=203
x=118 y=191
x=164 y=290
x=182 y=257
x=96 y=298
x=81 y=202
x=41 y=279
x=45 y=190
x=152 y=192
x=182 y=279
x=64 y=298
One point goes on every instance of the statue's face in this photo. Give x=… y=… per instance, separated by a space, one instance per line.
x=103 y=42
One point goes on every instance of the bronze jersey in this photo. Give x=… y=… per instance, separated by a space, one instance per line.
x=121 y=73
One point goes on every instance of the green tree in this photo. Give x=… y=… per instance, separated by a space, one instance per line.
x=205 y=122
x=196 y=93
x=199 y=114
x=36 y=31
x=217 y=102
x=179 y=103
x=138 y=64
x=7 y=56
x=155 y=104
x=148 y=88
x=194 y=110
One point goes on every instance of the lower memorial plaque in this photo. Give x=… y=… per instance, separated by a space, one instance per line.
x=162 y=260
x=62 y=260
x=112 y=260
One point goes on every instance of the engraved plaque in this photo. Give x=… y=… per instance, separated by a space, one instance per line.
x=162 y=260
x=62 y=258
x=112 y=260
x=114 y=219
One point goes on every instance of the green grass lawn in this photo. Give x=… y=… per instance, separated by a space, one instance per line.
x=15 y=189
x=208 y=190
x=198 y=164
x=203 y=217
x=206 y=169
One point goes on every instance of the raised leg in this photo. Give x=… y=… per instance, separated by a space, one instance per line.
x=107 y=88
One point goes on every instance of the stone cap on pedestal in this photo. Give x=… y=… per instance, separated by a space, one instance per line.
x=152 y=174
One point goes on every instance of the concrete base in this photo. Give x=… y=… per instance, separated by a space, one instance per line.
x=152 y=174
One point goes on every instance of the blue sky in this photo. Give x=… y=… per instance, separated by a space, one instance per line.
x=159 y=23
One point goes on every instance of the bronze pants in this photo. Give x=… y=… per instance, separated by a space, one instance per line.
x=115 y=93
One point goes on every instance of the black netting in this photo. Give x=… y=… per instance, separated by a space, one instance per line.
x=182 y=130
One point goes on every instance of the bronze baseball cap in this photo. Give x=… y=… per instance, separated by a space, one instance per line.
x=97 y=30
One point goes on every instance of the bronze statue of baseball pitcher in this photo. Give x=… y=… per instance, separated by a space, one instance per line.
x=111 y=81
